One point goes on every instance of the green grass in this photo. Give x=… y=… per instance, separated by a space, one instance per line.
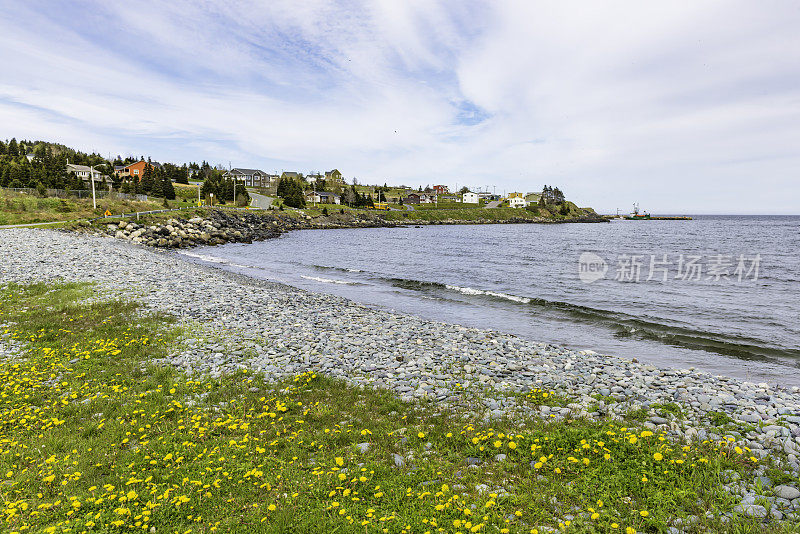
x=95 y=438
x=21 y=208
x=447 y=206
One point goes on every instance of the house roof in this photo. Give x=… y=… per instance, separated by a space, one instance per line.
x=324 y=194
x=290 y=174
x=73 y=167
x=239 y=170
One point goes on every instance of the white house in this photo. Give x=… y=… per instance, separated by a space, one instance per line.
x=469 y=198
x=517 y=200
x=323 y=197
x=83 y=171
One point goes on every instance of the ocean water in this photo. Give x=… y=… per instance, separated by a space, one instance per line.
x=718 y=293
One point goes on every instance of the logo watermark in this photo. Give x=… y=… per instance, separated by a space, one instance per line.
x=591 y=267
x=666 y=267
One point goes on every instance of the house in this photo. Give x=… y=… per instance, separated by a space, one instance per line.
x=136 y=170
x=334 y=177
x=441 y=189
x=469 y=198
x=119 y=170
x=83 y=172
x=516 y=200
x=250 y=177
x=323 y=197
x=291 y=175
x=418 y=197
x=532 y=198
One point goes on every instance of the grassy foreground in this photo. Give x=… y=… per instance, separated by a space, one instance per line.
x=95 y=439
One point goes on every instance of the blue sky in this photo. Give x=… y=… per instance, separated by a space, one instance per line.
x=692 y=107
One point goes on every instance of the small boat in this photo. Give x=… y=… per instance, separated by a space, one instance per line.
x=637 y=215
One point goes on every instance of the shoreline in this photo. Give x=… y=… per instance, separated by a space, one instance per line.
x=280 y=330
x=218 y=226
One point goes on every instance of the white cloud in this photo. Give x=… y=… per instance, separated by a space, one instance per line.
x=679 y=106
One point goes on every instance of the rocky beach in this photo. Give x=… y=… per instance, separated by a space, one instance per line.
x=234 y=322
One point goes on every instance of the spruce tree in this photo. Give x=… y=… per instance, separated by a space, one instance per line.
x=183 y=175
x=13 y=149
x=147 y=179
x=156 y=190
x=167 y=189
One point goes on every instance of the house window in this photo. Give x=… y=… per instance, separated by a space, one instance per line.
x=135 y=171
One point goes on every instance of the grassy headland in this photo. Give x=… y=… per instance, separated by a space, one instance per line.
x=96 y=438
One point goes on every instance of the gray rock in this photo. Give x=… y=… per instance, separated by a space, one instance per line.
x=752 y=510
x=786 y=492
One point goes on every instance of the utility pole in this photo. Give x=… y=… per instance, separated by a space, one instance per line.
x=91 y=179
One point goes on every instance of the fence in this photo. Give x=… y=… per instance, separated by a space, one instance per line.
x=77 y=193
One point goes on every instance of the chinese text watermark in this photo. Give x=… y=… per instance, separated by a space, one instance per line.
x=666 y=267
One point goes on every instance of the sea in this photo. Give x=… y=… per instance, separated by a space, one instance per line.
x=719 y=294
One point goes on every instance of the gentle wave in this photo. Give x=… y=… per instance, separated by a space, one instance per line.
x=204 y=257
x=624 y=324
x=473 y=291
x=340 y=269
x=329 y=280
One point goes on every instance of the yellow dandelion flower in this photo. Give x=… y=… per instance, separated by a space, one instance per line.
x=658 y=457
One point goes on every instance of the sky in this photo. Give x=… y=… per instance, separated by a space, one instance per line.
x=684 y=107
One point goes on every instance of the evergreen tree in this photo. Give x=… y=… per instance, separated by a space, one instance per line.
x=13 y=149
x=2 y=148
x=147 y=181
x=167 y=189
x=183 y=176
x=156 y=179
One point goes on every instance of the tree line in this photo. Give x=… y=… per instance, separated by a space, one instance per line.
x=43 y=165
